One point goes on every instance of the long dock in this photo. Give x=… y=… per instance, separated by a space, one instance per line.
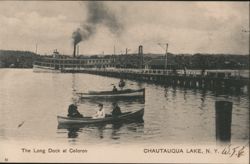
x=210 y=79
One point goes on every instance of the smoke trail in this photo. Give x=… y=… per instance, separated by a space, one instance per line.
x=97 y=13
x=100 y=14
x=77 y=36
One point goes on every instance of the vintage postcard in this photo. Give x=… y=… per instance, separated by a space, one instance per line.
x=124 y=82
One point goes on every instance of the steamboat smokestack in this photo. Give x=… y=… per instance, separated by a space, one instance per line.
x=74 y=52
x=77 y=50
x=140 y=53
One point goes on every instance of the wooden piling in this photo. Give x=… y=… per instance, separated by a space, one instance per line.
x=223 y=120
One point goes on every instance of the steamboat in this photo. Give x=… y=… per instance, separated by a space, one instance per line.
x=62 y=63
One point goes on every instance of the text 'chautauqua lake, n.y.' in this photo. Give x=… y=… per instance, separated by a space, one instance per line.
x=227 y=150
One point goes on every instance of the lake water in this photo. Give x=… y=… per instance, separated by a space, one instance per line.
x=172 y=115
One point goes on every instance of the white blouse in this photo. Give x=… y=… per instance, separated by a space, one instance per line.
x=99 y=114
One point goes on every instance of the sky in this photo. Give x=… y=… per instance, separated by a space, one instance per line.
x=188 y=27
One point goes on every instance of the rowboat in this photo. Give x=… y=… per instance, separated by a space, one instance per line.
x=127 y=93
x=126 y=116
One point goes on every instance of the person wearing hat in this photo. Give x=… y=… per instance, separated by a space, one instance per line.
x=114 y=89
x=122 y=84
x=73 y=112
x=116 y=110
x=100 y=113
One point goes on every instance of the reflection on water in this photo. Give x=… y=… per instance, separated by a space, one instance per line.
x=74 y=91
x=73 y=132
x=203 y=99
x=112 y=131
x=115 y=131
x=172 y=114
x=100 y=131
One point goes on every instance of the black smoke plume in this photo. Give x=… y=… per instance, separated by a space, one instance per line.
x=97 y=13
x=77 y=36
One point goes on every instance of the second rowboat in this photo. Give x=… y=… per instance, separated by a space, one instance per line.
x=127 y=93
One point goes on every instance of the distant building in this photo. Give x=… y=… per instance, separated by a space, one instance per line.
x=128 y=61
x=99 y=63
x=159 y=64
x=155 y=64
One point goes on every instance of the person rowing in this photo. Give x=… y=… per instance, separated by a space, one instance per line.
x=73 y=112
x=122 y=84
x=100 y=113
x=114 y=89
x=116 y=110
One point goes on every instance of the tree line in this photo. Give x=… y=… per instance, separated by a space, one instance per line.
x=25 y=59
x=17 y=59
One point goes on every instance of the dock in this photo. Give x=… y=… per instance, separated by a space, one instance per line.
x=210 y=79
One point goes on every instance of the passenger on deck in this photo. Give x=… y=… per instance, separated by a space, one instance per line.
x=100 y=113
x=114 y=89
x=73 y=112
x=116 y=110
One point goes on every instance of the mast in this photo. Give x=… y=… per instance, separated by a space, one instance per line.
x=166 y=57
x=166 y=53
x=36 y=48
